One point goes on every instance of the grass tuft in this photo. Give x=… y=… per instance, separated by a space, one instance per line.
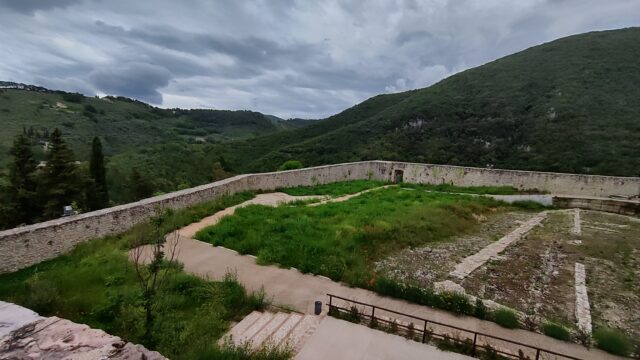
x=613 y=341
x=557 y=331
x=506 y=318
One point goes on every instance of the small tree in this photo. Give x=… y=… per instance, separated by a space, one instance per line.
x=218 y=172
x=97 y=194
x=22 y=183
x=153 y=265
x=139 y=187
x=60 y=183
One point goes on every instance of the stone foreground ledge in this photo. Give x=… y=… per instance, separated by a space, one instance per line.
x=26 y=335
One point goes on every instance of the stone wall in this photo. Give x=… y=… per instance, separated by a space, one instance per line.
x=28 y=245
x=554 y=183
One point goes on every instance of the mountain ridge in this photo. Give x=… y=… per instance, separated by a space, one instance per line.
x=567 y=106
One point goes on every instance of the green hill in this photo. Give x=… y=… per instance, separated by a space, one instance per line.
x=123 y=124
x=570 y=105
x=171 y=147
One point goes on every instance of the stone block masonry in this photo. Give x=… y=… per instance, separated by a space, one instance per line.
x=472 y=262
x=28 y=245
x=583 y=311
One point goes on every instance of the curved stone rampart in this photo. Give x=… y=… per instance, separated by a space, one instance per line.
x=24 y=246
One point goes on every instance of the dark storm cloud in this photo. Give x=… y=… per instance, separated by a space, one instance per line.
x=290 y=58
x=31 y=6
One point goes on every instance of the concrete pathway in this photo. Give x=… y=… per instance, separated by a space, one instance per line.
x=292 y=288
x=341 y=340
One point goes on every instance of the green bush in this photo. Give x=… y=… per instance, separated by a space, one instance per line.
x=452 y=301
x=556 y=331
x=613 y=341
x=43 y=295
x=290 y=165
x=529 y=205
x=480 y=310
x=506 y=318
x=457 y=303
x=73 y=97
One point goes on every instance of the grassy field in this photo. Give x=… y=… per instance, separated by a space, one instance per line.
x=95 y=284
x=343 y=240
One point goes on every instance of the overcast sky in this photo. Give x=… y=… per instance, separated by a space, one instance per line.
x=305 y=59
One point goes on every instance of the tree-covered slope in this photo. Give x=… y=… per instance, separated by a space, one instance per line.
x=123 y=124
x=571 y=105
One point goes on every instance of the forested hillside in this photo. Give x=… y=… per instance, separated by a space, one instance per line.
x=570 y=105
x=169 y=147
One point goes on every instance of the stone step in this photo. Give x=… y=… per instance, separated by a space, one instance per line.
x=243 y=325
x=279 y=335
x=272 y=326
x=306 y=326
x=255 y=328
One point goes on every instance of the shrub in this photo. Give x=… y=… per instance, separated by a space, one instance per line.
x=290 y=165
x=354 y=315
x=480 y=310
x=556 y=331
x=529 y=205
x=43 y=295
x=374 y=323
x=613 y=341
x=506 y=318
x=73 y=97
x=456 y=302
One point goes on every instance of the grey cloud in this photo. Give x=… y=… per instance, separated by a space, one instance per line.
x=31 y=6
x=140 y=81
x=290 y=58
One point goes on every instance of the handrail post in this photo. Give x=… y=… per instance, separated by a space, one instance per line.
x=473 y=350
x=330 y=302
x=537 y=354
x=373 y=312
x=424 y=332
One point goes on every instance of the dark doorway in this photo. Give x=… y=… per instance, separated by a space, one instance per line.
x=398 y=176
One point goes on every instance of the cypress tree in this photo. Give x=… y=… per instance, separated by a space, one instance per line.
x=60 y=184
x=22 y=184
x=98 y=194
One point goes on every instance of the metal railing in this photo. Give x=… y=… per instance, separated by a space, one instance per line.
x=425 y=333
